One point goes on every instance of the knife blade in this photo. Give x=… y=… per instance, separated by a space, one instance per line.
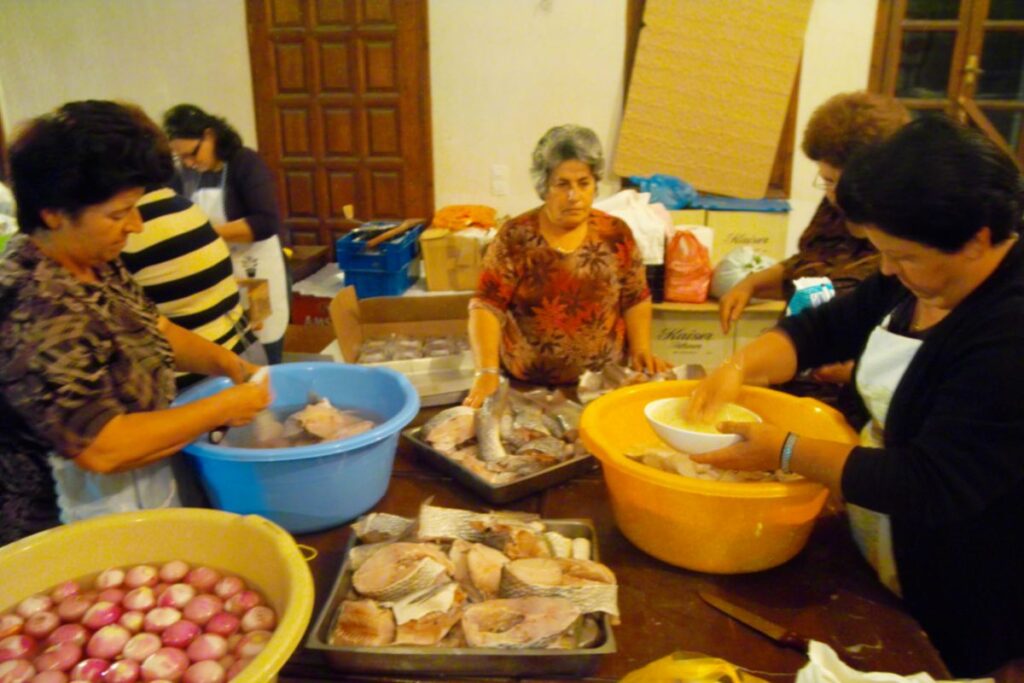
x=779 y=634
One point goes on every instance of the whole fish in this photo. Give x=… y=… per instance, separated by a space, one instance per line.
x=488 y=424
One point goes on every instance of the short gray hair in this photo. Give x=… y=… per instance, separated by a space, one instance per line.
x=565 y=143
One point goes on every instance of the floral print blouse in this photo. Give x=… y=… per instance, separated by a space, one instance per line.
x=561 y=313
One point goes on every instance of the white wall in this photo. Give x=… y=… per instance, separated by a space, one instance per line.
x=156 y=53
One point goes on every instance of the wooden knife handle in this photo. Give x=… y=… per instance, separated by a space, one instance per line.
x=392 y=233
x=794 y=642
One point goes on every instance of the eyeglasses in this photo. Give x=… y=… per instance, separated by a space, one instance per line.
x=194 y=152
x=823 y=183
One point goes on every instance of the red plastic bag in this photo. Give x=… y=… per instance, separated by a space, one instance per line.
x=687 y=269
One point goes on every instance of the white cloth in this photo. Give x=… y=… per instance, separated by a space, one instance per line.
x=879 y=372
x=649 y=222
x=82 y=494
x=824 y=666
x=262 y=259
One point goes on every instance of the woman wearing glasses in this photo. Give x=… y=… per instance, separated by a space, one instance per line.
x=563 y=286
x=828 y=247
x=235 y=188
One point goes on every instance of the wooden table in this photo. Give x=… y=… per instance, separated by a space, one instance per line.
x=827 y=592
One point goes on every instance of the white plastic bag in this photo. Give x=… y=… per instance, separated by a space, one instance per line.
x=824 y=666
x=736 y=265
x=648 y=222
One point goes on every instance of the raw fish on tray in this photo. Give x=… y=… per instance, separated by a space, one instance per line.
x=512 y=435
x=595 y=383
x=457 y=578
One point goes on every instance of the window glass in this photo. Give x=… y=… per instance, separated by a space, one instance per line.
x=1007 y=122
x=1002 y=63
x=924 y=64
x=933 y=9
x=1006 y=9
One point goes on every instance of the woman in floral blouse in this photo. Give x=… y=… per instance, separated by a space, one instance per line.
x=562 y=288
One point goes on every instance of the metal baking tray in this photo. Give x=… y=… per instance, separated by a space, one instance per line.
x=501 y=493
x=463 y=661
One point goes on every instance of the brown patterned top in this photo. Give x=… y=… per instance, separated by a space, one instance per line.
x=561 y=313
x=73 y=356
x=827 y=249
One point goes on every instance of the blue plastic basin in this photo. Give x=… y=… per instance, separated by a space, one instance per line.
x=309 y=488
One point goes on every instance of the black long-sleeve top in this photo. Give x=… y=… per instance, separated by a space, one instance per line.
x=951 y=473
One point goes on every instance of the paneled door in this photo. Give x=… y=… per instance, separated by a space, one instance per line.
x=342 y=91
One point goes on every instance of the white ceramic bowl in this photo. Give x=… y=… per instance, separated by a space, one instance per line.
x=686 y=440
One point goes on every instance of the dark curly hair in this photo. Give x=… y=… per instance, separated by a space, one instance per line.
x=846 y=122
x=191 y=122
x=934 y=182
x=83 y=154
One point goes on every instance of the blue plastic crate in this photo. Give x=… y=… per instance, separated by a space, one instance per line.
x=382 y=282
x=392 y=255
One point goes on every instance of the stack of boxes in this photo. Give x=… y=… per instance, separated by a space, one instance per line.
x=386 y=270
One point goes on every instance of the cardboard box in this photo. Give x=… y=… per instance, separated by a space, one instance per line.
x=689 y=217
x=255 y=297
x=764 y=231
x=310 y=310
x=758 y=317
x=690 y=334
x=451 y=260
x=439 y=381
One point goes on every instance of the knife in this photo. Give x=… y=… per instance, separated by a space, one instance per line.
x=779 y=634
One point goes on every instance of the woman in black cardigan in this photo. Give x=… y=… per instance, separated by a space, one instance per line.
x=935 y=491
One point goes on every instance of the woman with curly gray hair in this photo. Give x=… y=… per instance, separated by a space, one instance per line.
x=562 y=288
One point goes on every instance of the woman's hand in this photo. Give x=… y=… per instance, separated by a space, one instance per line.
x=720 y=387
x=485 y=384
x=836 y=373
x=645 y=361
x=243 y=401
x=759 y=450
x=238 y=369
x=731 y=305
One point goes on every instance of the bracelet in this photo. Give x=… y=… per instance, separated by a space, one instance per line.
x=487 y=371
x=787 y=452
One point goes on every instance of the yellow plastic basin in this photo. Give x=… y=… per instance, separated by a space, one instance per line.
x=252 y=547
x=707 y=526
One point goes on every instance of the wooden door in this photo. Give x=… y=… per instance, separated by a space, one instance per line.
x=342 y=91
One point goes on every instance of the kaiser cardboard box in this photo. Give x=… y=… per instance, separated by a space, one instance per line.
x=690 y=334
x=763 y=231
x=439 y=381
x=758 y=317
x=452 y=260
x=689 y=217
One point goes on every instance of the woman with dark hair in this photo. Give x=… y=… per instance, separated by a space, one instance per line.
x=934 y=490
x=86 y=361
x=235 y=188
x=563 y=286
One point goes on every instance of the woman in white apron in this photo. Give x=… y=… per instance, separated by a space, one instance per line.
x=86 y=361
x=935 y=490
x=235 y=188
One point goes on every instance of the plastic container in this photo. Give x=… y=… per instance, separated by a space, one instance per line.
x=309 y=488
x=708 y=526
x=370 y=283
x=392 y=255
x=251 y=547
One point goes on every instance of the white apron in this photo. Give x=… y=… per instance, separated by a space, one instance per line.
x=262 y=259
x=879 y=372
x=82 y=494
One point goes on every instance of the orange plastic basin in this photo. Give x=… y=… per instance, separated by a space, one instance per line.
x=707 y=526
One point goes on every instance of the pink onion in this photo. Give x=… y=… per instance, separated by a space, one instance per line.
x=177 y=595
x=123 y=671
x=50 y=677
x=41 y=624
x=180 y=634
x=207 y=646
x=59 y=657
x=141 y=646
x=132 y=620
x=252 y=643
x=114 y=595
x=228 y=586
x=227 y=661
x=174 y=571
x=69 y=633
x=141 y=575
x=33 y=604
x=10 y=625
x=223 y=624
x=206 y=671
x=259 y=618
x=159 y=589
x=65 y=590
x=110 y=578
x=167 y=662
x=238 y=666
x=158 y=619
x=240 y=603
x=16 y=671
x=74 y=608
x=108 y=642
x=203 y=578
x=201 y=608
x=101 y=614
x=140 y=599
x=91 y=670
x=17 y=647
